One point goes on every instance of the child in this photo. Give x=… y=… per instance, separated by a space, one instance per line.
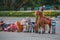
x=23 y=22
x=29 y=25
x=7 y=28
x=53 y=24
x=13 y=27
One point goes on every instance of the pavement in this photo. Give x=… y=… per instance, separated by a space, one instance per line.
x=28 y=36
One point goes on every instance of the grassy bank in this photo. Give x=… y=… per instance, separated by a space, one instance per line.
x=24 y=14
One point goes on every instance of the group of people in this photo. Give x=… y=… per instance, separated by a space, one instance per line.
x=24 y=25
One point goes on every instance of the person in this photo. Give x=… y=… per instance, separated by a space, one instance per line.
x=28 y=19
x=30 y=25
x=42 y=8
x=23 y=22
x=53 y=24
x=13 y=27
x=2 y=24
x=7 y=28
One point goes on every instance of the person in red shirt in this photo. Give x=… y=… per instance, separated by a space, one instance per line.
x=13 y=27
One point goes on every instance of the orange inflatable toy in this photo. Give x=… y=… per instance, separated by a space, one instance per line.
x=19 y=26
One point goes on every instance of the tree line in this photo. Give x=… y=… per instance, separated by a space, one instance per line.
x=16 y=4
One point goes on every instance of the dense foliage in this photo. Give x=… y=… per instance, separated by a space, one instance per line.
x=24 y=14
x=17 y=4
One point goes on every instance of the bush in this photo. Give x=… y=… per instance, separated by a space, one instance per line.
x=52 y=14
x=24 y=14
x=16 y=14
